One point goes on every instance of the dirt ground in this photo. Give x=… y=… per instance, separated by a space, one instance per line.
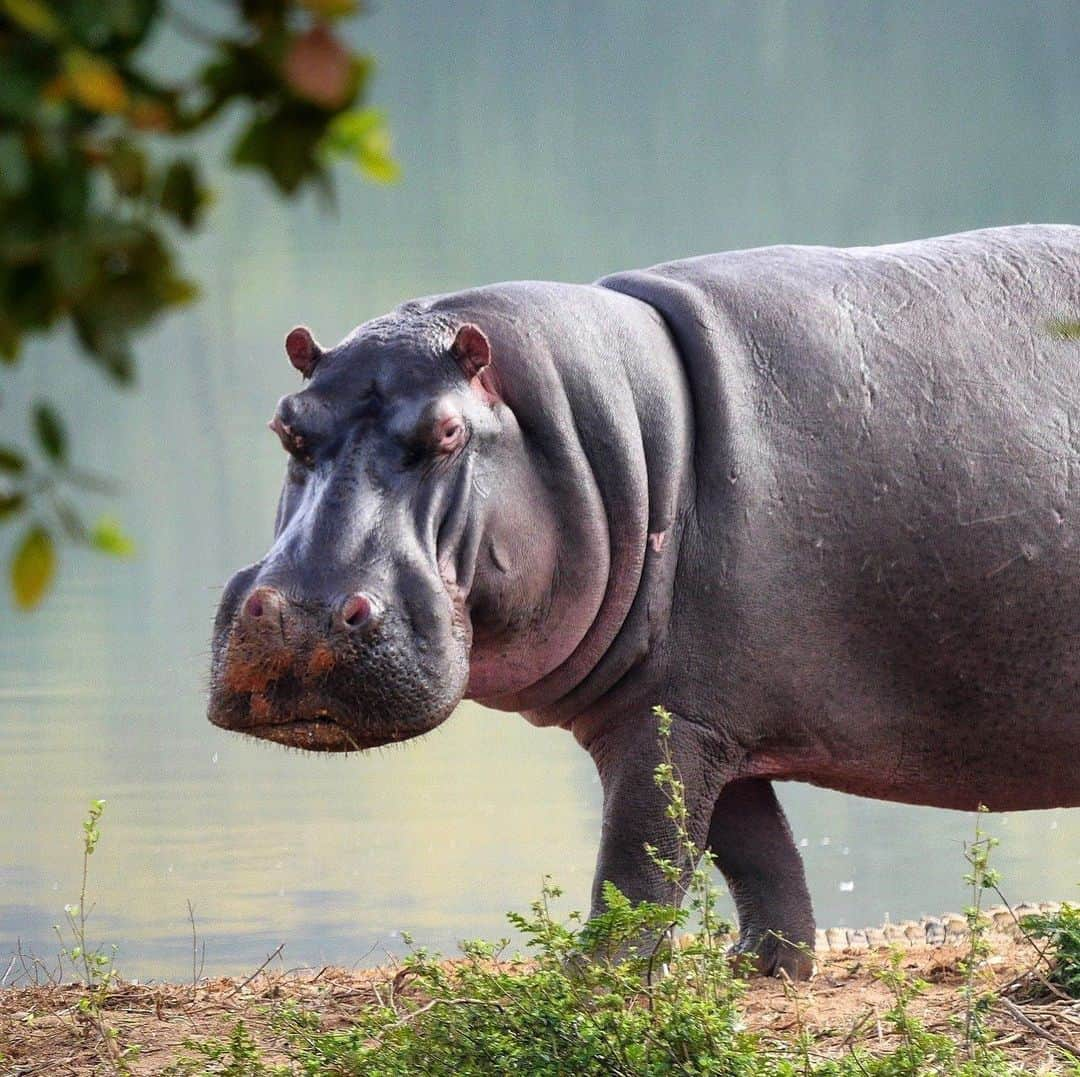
x=42 y=1031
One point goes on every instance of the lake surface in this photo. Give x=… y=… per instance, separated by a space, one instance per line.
x=556 y=141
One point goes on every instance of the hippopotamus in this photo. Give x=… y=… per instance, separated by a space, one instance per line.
x=821 y=504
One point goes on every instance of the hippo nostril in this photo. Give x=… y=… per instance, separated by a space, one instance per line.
x=356 y=611
x=261 y=601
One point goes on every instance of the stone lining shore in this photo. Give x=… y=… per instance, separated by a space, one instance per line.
x=951 y=929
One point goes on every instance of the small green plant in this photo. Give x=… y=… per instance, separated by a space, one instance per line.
x=919 y=1051
x=691 y=871
x=980 y=877
x=1062 y=931
x=1065 y=328
x=238 y=1056
x=96 y=967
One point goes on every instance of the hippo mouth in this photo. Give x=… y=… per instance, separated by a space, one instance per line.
x=289 y=712
x=320 y=733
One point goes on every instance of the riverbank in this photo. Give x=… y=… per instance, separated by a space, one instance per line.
x=846 y=1006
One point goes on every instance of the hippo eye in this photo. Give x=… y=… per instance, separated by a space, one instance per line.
x=449 y=434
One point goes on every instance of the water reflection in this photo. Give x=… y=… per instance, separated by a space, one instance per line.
x=557 y=141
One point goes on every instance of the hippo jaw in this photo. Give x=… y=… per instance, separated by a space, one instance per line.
x=297 y=715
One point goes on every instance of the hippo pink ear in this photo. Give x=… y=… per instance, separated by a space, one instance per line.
x=471 y=350
x=302 y=350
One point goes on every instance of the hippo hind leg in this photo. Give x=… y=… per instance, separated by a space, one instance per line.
x=752 y=843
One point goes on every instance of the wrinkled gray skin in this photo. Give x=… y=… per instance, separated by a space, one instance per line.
x=821 y=504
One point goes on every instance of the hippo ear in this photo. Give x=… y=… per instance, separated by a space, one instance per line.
x=471 y=350
x=303 y=352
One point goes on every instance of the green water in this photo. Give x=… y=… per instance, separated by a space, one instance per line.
x=538 y=140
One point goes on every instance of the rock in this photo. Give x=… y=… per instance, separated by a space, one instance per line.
x=935 y=931
x=837 y=938
x=876 y=938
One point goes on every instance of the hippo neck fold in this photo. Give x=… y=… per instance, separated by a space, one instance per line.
x=597 y=394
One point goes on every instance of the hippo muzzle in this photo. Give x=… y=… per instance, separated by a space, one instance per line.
x=327 y=676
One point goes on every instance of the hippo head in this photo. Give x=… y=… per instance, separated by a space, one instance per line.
x=470 y=496
x=353 y=631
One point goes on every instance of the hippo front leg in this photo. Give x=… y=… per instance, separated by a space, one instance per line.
x=752 y=843
x=635 y=808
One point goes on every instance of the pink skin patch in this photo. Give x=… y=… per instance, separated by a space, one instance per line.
x=657 y=540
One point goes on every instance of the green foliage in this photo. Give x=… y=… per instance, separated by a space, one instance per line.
x=553 y=1016
x=921 y=1051
x=92 y=192
x=50 y=433
x=47 y=484
x=92 y=963
x=1065 y=328
x=32 y=567
x=980 y=877
x=239 y=1056
x=108 y=536
x=1062 y=930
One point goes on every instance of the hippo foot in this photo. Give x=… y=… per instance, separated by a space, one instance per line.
x=773 y=955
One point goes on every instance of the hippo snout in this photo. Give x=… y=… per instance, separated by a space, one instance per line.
x=337 y=675
x=270 y=617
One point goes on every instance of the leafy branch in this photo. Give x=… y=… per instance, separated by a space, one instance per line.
x=94 y=188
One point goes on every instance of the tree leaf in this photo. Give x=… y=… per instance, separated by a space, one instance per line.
x=363 y=137
x=319 y=68
x=71 y=263
x=117 y=362
x=283 y=144
x=10 y=503
x=50 y=433
x=126 y=164
x=94 y=82
x=14 y=163
x=331 y=9
x=109 y=537
x=33 y=567
x=10 y=339
x=35 y=16
x=11 y=460
x=181 y=194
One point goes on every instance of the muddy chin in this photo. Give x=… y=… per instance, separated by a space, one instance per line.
x=313 y=724
x=297 y=688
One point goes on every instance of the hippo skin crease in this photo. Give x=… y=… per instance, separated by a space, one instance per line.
x=822 y=504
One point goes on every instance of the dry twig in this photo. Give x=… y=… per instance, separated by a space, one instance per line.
x=270 y=957
x=1022 y=1018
